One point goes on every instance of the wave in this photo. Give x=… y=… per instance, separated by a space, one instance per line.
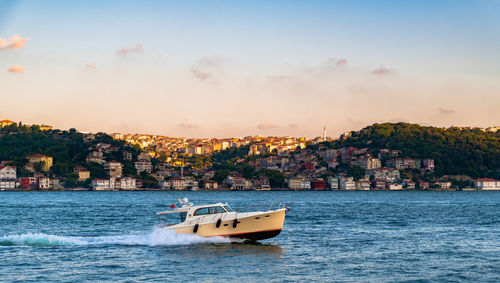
x=158 y=237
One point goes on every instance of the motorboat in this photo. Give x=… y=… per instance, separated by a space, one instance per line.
x=220 y=219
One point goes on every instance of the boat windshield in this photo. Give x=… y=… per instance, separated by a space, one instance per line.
x=229 y=209
x=209 y=210
x=216 y=209
x=183 y=216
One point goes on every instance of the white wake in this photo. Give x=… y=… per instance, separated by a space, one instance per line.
x=158 y=237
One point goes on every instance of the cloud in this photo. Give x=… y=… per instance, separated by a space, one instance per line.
x=446 y=111
x=187 y=125
x=197 y=73
x=210 y=61
x=90 y=67
x=382 y=71
x=277 y=78
x=336 y=62
x=136 y=49
x=266 y=126
x=15 y=42
x=293 y=126
x=341 y=62
x=16 y=69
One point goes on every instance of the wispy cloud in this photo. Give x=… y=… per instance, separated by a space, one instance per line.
x=277 y=78
x=341 y=62
x=293 y=126
x=136 y=49
x=266 y=126
x=446 y=111
x=15 y=42
x=90 y=67
x=210 y=61
x=382 y=71
x=336 y=62
x=197 y=73
x=187 y=125
x=16 y=69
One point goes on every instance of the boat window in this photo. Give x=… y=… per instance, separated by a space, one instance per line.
x=216 y=209
x=228 y=208
x=183 y=216
x=201 y=211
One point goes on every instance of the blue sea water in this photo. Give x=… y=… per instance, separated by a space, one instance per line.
x=328 y=236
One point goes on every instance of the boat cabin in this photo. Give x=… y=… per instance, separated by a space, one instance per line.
x=188 y=211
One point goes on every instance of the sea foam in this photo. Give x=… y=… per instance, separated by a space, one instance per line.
x=158 y=237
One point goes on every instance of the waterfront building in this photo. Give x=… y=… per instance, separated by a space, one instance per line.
x=347 y=183
x=394 y=186
x=128 y=183
x=333 y=183
x=299 y=184
x=409 y=184
x=379 y=184
x=487 y=184
x=423 y=185
x=261 y=183
x=101 y=184
x=8 y=177
x=7 y=184
x=319 y=185
x=363 y=185
x=210 y=185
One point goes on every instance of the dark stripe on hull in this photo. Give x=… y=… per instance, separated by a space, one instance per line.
x=255 y=236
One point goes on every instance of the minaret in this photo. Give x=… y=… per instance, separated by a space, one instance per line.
x=324 y=133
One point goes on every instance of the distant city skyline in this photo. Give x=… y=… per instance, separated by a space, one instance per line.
x=234 y=69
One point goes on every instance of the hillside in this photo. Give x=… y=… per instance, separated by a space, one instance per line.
x=67 y=148
x=456 y=151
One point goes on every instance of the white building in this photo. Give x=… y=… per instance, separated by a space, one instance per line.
x=394 y=187
x=299 y=184
x=8 y=172
x=363 y=185
x=143 y=165
x=333 y=183
x=127 y=183
x=387 y=174
x=7 y=184
x=347 y=183
x=487 y=184
x=101 y=184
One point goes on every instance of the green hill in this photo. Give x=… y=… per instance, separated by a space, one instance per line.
x=456 y=151
x=67 y=148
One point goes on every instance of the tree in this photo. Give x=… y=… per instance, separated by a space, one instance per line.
x=276 y=178
x=356 y=172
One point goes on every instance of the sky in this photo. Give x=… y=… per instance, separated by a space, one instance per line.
x=239 y=68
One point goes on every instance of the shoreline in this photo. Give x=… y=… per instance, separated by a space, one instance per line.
x=229 y=190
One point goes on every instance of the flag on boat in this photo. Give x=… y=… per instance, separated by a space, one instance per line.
x=172 y=206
